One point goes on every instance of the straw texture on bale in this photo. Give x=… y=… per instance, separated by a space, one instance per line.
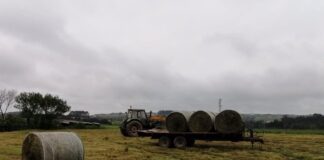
x=229 y=121
x=201 y=121
x=52 y=146
x=177 y=121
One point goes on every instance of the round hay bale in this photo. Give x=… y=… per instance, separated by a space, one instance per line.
x=229 y=121
x=201 y=121
x=177 y=121
x=52 y=146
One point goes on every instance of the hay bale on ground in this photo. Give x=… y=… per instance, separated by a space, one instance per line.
x=52 y=146
x=201 y=121
x=229 y=121
x=177 y=121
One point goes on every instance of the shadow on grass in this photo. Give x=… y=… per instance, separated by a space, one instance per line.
x=228 y=147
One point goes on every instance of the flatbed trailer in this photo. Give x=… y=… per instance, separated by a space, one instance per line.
x=184 y=139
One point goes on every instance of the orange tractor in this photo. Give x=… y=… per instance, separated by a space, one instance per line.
x=138 y=119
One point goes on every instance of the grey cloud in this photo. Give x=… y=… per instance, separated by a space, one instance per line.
x=103 y=69
x=236 y=41
x=275 y=91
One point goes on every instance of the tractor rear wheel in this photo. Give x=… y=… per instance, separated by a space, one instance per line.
x=132 y=128
x=123 y=132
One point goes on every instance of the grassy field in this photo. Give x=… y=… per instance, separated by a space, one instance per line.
x=109 y=144
x=292 y=131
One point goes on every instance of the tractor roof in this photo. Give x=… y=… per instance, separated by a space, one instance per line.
x=136 y=109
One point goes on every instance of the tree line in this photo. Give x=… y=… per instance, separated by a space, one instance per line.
x=314 y=121
x=37 y=111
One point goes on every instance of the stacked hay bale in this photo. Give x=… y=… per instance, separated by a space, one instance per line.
x=178 y=121
x=201 y=121
x=52 y=146
x=226 y=122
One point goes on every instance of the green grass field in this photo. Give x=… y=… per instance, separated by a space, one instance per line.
x=109 y=144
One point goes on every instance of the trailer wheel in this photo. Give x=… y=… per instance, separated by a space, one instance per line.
x=180 y=142
x=190 y=141
x=165 y=141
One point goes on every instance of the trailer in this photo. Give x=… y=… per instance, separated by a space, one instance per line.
x=187 y=139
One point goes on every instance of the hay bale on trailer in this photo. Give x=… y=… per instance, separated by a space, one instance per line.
x=201 y=121
x=52 y=146
x=177 y=121
x=229 y=121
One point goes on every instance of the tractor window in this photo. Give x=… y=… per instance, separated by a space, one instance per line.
x=136 y=114
x=132 y=114
x=142 y=114
x=129 y=115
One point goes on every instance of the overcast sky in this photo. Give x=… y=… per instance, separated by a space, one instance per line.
x=103 y=56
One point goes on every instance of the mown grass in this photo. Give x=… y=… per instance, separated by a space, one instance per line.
x=109 y=144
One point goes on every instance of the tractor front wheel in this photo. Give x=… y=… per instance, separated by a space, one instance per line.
x=132 y=128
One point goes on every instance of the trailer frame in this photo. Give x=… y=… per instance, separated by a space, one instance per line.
x=184 y=139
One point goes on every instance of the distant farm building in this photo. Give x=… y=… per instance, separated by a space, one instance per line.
x=79 y=115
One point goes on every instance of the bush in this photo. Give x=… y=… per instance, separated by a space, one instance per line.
x=100 y=120
x=82 y=126
x=13 y=123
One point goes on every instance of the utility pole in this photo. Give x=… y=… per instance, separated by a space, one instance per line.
x=220 y=105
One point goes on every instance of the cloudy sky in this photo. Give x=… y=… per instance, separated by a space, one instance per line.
x=103 y=56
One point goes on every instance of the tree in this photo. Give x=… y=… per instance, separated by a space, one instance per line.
x=41 y=109
x=6 y=101
x=29 y=104
x=51 y=108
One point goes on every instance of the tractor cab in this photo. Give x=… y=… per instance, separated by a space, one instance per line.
x=136 y=119
x=138 y=114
